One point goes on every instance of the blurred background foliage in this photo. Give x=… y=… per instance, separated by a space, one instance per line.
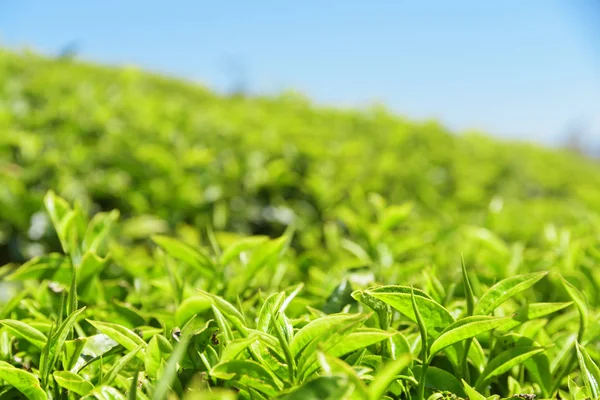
x=174 y=157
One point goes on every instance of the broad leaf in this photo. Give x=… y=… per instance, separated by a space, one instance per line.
x=435 y=317
x=23 y=381
x=73 y=382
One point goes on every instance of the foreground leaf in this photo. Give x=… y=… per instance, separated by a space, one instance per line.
x=73 y=382
x=27 y=332
x=248 y=373
x=590 y=372
x=465 y=328
x=504 y=290
x=505 y=361
x=23 y=381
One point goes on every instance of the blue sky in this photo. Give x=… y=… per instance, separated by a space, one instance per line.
x=526 y=69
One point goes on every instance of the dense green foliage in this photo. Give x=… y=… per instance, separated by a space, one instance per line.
x=265 y=247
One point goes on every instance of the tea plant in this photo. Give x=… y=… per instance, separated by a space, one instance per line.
x=266 y=248
x=199 y=321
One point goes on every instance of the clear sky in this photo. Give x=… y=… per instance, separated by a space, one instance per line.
x=516 y=68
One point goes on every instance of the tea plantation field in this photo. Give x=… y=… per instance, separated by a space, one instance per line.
x=161 y=241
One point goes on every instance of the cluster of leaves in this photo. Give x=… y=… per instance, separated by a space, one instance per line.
x=265 y=248
x=169 y=155
x=213 y=321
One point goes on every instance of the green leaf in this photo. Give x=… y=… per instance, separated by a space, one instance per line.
x=91 y=265
x=169 y=374
x=184 y=252
x=23 y=381
x=98 y=229
x=321 y=388
x=354 y=341
x=538 y=366
x=469 y=297
x=72 y=351
x=106 y=393
x=504 y=290
x=357 y=340
x=132 y=394
x=438 y=379
x=58 y=209
x=73 y=382
x=50 y=266
x=191 y=306
x=505 y=361
x=471 y=393
x=387 y=375
x=235 y=347
x=265 y=254
x=580 y=303
x=435 y=317
x=55 y=343
x=465 y=328
x=333 y=366
x=339 y=298
x=248 y=373
x=240 y=246
x=321 y=329
x=590 y=372
x=158 y=349
x=119 y=365
x=533 y=311
x=269 y=309
x=229 y=312
x=394 y=214
x=125 y=337
x=27 y=332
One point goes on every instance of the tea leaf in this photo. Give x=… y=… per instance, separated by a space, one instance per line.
x=23 y=381
x=504 y=290
x=73 y=382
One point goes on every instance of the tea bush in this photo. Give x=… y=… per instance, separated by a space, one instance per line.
x=162 y=241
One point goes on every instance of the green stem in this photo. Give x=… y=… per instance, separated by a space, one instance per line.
x=421 y=391
x=384 y=324
x=464 y=364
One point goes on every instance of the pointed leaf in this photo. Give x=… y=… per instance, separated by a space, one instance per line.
x=435 y=317
x=533 y=311
x=465 y=328
x=23 y=381
x=504 y=361
x=387 y=375
x=581 y=304
x=321 y=388
x=471 y=393
x=119 y=365
x=248 y=373
x=184 y=252
x=169 y=374
x=322 y=328
x=438 y=379
x=125 y=337
x=590 y=372
x=504 y=290
x=73 y=382
x=27 y=332
x=357 y=340
x=244 y=244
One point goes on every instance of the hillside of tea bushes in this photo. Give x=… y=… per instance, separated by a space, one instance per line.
x=161 y=241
